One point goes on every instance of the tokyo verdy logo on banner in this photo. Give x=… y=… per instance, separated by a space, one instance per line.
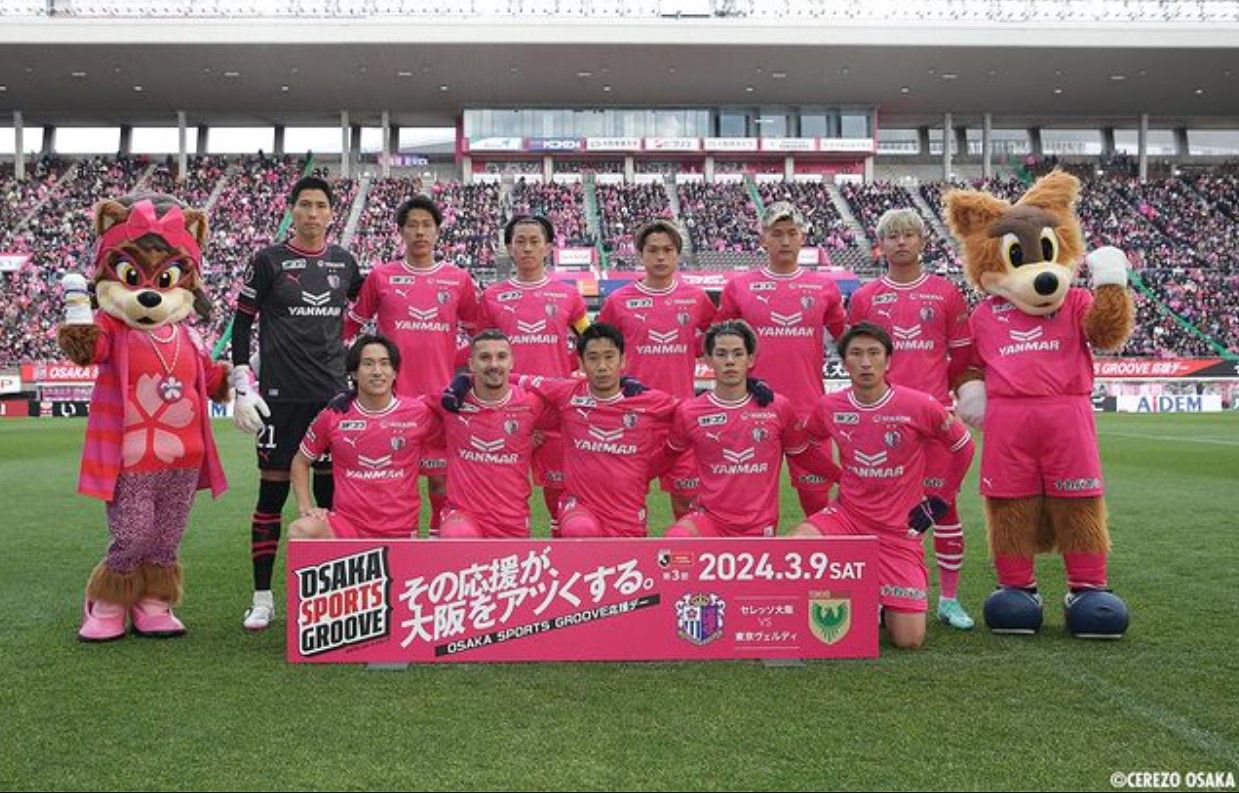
x=344 y=602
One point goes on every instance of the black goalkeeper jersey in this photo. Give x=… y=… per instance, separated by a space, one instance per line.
x=300 y=299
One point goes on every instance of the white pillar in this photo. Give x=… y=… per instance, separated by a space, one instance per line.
x=987 y=146
x=548 y=168
x=385 y=148
x=946 y=146
x=789 y=168
x=1143 y=147
x=346 y=142
x=466 y=169
x=630 y=169
x=869 y=169
x=708 y=170
x=19 y=147
x=182 y=143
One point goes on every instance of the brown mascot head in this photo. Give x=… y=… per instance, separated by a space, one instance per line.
x=1027 y=252
x=148 y=261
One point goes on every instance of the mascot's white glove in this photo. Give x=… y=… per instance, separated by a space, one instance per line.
x=1107 y=265
x=77 y=300
x=251 y=408
x=970 y=403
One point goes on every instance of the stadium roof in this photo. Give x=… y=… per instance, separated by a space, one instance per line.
x=303 y=71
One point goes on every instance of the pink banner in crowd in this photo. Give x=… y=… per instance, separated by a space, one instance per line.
x=427 y=601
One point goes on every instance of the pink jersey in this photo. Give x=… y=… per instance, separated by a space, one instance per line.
x=882 y=449
x=927 y=320
x=608 y=444
x=660 y=328
x=488 y=449
x=1028 y=356
x=739 y=448
x=419 y=310
x=537 y=318
x=788 y=312
x=374 y=457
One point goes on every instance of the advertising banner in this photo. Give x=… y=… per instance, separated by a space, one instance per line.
x=429 y=601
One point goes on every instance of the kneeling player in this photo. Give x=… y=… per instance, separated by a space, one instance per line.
x=883 y=434
x=376 y=442
x=489 y=439
x=739 y=439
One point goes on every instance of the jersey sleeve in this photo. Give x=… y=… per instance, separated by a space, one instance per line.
x=792 y=430
x=577 y=318
x=1081 y=302
x=816 y=429
x=355 y=278
x=432 y=435
x=469 y=310
x=256 y=286
x=835 y=320
x=608 y=313
x=317 y=438
x=942 y=426
x=858 y=307
x=365 y=308
x=958 y=331
x=678 y=438
x=728 y=306
x=706 y=311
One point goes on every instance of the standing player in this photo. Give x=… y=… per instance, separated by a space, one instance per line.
x=420 y=304
x=375 y=440
x=662 y=319
x=739 y=439
x=298 y=291
x=537 y=314
x=489 y=440
x=928 y=319
x=789 y=307
x=884 y=434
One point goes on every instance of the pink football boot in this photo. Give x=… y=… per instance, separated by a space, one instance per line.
x=154 y=618
x=101 y=621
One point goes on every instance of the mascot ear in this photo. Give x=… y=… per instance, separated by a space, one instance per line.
x=970 y=212
x=108 y=214
x=1055 y=192
x=196 y=224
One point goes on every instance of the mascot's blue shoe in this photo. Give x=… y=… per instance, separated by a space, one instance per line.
x=1096 y=614
x=1013 y=610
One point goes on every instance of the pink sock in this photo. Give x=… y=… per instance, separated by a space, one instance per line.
x=949 y=552
x=1085 y=570
x=1015 y=571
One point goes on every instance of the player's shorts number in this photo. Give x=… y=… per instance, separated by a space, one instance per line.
x=266 y=438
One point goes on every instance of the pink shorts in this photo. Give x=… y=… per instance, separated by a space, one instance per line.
x=433 y=462
x=903 y=580
x=548 y=461
x=343 y=528
x=1040 y=446
x=465 y=524
x=709 y=526
x=578 y=520
x=682 y=479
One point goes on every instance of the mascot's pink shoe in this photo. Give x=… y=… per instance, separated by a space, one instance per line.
x=101 y=621
x=154 y=618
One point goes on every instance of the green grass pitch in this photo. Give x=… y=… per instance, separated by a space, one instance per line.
x=220 y=709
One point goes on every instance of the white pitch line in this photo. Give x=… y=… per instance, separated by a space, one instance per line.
x=1211 y=441
x=1208 y=742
